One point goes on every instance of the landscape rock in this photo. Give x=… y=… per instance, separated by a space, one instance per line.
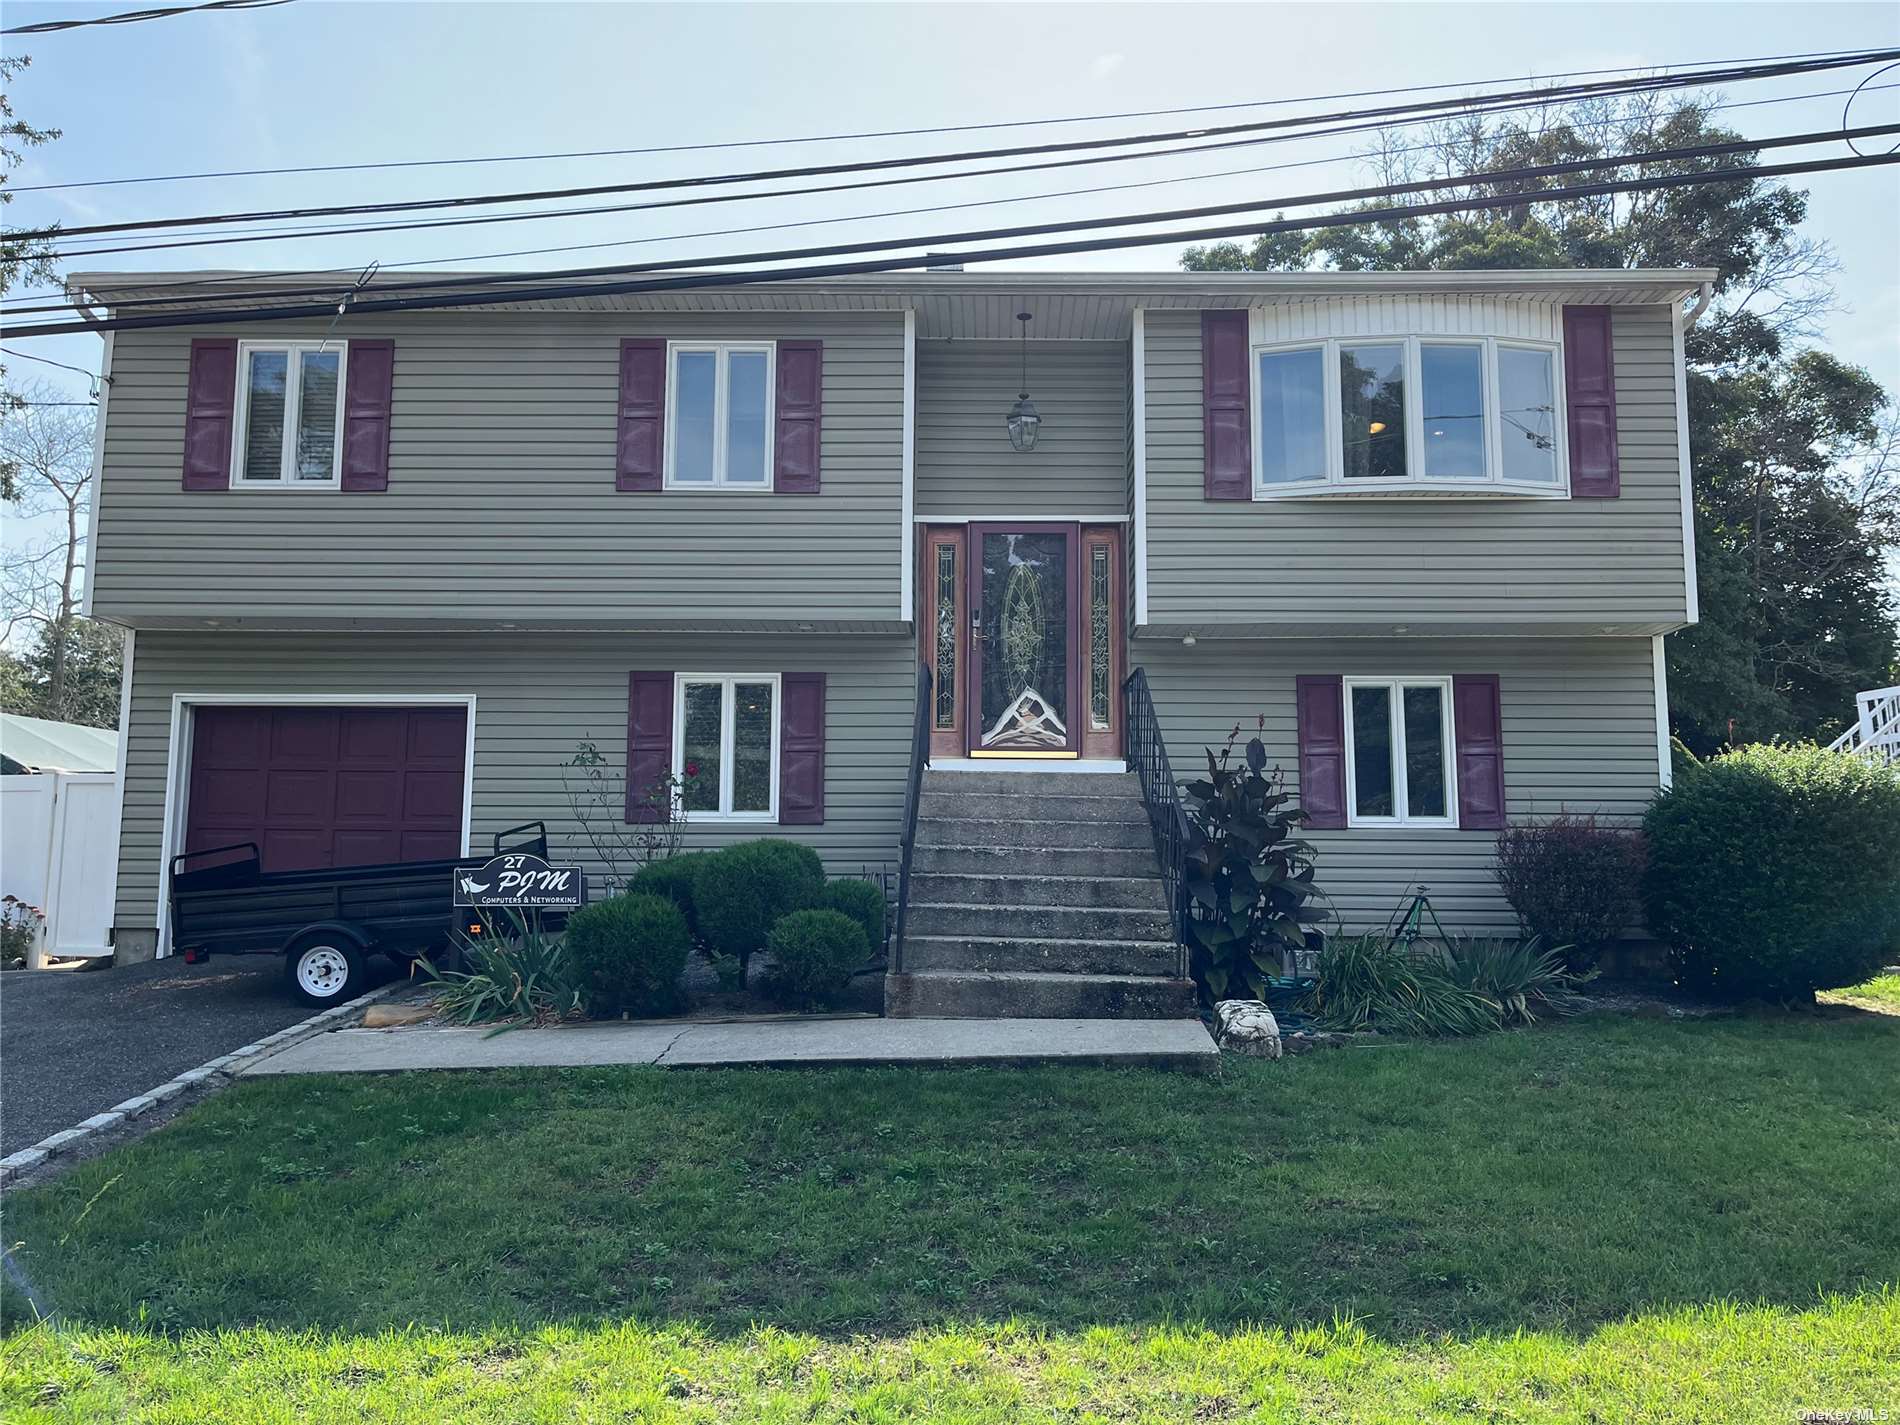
x=1247 y=1026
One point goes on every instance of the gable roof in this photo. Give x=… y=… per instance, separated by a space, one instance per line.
x=37 y=744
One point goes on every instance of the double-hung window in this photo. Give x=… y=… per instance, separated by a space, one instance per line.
x=1399 y=765
x=719 y=415
x=1406 y=414
x=726 y=745
x=289 y=416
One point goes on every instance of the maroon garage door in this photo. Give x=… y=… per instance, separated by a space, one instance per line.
x=328 y=786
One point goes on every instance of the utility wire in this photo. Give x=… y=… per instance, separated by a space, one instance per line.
x=201 y=284
x=1547 y=95
x=502 y=281
x=883 y=133
x=691 y=280
x=292 y=234
x=133 y=17
x=29 y=356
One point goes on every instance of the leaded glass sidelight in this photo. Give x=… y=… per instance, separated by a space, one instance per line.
x=946 y=686
x=1099 y=673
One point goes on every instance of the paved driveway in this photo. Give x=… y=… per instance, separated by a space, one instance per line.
x=74 y=1043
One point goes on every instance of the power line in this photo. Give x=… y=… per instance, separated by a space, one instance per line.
x=1346 y=195
x=202 y=283
x=1547 y=95
x=29 y=356
x=134 y=17
x=878 y=133
x=689 y=281
x=319 y=230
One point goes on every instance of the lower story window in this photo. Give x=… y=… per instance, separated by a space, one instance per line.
x=725 y=745
x=1399 y=752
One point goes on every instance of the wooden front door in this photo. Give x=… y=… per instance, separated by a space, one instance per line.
x=1022 y=626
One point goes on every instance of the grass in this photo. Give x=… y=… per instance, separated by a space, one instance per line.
x=1609 y=1220
x=1882 y=993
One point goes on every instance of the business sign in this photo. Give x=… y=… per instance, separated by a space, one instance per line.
x=520 y=881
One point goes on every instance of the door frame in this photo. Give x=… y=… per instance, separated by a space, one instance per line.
x=178 y=764
x=1073 y=607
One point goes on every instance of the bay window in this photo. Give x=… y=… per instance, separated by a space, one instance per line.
x=719 y=415
x=288 y=416
x=726 y=745
x=1399 y=769
x=1470 y=415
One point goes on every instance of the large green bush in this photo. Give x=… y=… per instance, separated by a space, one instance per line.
x=814 y=952
x=863 y=901
x=671 y=877
x=1572 y=883
x=1774 y=871
x=740 y=893
x=628 y=954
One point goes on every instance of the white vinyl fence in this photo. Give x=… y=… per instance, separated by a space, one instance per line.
x=58 y=842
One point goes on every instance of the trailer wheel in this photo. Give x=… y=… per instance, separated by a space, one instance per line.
x=325 y=970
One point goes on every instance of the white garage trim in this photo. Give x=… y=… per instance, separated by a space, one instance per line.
x=178 y=762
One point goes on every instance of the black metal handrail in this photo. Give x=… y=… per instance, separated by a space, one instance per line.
x=919 y=759
x=1160 y=794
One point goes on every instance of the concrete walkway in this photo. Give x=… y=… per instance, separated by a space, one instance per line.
x=1168 y=1043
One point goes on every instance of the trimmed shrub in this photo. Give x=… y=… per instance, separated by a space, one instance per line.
x=864 y=902
x=671 y=877
x=1573 y=884
x=815 y=952
x=1774 y=871
x=628 y=954
x=741 y=892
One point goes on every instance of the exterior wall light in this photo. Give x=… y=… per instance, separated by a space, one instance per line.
x=1024 y=421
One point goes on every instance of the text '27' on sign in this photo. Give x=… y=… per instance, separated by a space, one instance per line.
x=522 y=881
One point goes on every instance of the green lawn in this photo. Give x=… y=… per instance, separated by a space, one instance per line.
x=1881 y=993
x=1610 y=1220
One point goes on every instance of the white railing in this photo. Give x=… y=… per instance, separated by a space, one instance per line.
x=1875 y=734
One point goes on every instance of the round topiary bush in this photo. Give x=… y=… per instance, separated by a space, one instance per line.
x=815 y=952
x=741 y=892
x=1774 y=871
x=628 y=954
x=672 y=878
x=1572 y=883
x=864 y=902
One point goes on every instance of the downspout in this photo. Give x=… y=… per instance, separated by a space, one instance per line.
x=1703 y=297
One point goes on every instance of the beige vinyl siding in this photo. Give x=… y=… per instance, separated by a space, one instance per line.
x=501 y=500
x=534 y=702
x=1439 y=564
x=965 y=464
x=1579 y=735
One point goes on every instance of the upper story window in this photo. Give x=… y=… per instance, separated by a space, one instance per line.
x=719 y=415
x=289 y=416
x=1399 y=769
x=1472 y=414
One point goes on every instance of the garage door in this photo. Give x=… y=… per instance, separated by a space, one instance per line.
x=320 y=787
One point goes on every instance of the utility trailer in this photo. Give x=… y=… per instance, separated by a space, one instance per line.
x=326 y=922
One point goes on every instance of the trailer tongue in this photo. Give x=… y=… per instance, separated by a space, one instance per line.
x=326 y=922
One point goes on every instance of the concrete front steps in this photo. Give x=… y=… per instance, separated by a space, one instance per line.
x=1036 y=895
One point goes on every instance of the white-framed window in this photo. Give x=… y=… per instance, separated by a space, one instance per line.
x=719 y=414
x=1400 y=770
x=1398 y=414
x=287 y=431
x=725 y=745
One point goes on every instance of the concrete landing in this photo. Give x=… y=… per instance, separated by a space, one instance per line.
x=1159 y=1043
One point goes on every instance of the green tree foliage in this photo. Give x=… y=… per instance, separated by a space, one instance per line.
x=1796 y=453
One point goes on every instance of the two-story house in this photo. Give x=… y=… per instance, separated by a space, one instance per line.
x=382 y=575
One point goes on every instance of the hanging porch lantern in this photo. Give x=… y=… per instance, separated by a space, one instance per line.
x=1024 y=421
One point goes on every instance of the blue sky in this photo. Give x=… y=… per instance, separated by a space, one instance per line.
x=316 y=82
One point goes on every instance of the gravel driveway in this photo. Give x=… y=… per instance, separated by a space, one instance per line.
x=73 y=1043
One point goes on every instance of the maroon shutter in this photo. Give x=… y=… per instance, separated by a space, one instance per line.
x=1477 y=733
x=1590 y=400
x=371 y=366
x=1227 y=428
x=1320 y=702
x=649 y=742
x=641 y=444
x=795 y=436
x=801 y=749
x=210 y=401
